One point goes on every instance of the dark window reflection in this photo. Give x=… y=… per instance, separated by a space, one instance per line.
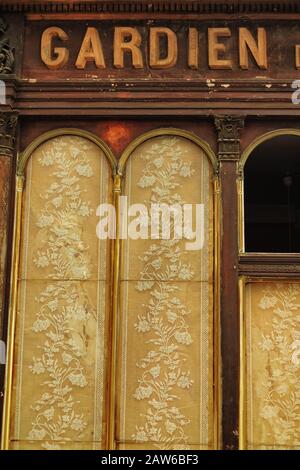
x=272 y=196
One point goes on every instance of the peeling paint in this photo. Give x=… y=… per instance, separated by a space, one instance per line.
x=209 y=82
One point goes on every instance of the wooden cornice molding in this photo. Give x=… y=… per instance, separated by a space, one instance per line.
x=141 y=98
x=153 y=6
x=270 y=265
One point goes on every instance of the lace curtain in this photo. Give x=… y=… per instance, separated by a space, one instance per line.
x=273 y=365
x=165 y=340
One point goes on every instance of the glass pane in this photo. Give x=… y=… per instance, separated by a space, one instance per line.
x=273 y=365
x=272 y=196
x=166 y=308
x=59 y=370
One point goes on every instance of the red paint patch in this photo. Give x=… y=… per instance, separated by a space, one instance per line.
x=117 y=136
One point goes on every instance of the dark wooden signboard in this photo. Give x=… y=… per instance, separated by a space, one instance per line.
x=161 y=49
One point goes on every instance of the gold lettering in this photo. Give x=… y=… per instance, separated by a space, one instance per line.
x=62 y=53
x=193 y=48
x=258 y=50
x=91 y=50
x=133 y=46
x=214 y=47
x=172 y=50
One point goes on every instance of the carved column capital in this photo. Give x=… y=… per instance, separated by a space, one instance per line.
x=8 y=126
x=228 y=129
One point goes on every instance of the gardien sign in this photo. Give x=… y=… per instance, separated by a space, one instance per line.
x=158 y=47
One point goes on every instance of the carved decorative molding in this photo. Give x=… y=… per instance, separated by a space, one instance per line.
x=270 y=258
x=267 y=265
x=8 y=125
x=155 y=6
x=228 y=128
x=266 y=270
x=7 y=59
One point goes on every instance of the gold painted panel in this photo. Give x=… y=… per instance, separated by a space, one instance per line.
x=59 y=369
x=166 y=308
x=272 y=329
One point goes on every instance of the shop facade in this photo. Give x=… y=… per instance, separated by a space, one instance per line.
x=124 y=343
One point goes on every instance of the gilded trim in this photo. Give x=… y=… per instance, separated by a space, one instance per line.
x=12 y=313
x=22 y=161
x=217 y=318
x=263 y=138
x=240 y=183
x=112 y=366
x=165 y=131
x=241 y=214
x=242 y=368
x=121 y=170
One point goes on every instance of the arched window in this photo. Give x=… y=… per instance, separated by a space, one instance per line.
x=272 y=195
x=167 y=304
x=61 y=295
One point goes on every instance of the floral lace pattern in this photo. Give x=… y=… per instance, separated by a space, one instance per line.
x=278 y=344
x=64 y=311
x=165 y=379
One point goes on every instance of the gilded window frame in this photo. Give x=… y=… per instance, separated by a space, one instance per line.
x=121 y=175
x=22 y=160
x=243 y=281
x=240 y=181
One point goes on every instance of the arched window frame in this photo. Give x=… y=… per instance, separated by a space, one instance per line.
x=120 y=179
x=22 y=161
x=241 y=176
